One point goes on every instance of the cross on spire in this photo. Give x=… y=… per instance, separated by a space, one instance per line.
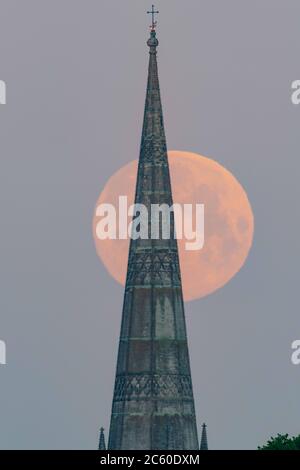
x=153 y=13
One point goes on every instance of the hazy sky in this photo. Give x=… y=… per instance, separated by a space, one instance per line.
x=76 y=76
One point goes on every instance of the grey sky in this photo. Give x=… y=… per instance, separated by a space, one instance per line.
x=76 y=77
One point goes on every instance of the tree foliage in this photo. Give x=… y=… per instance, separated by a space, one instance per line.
x=282 y=442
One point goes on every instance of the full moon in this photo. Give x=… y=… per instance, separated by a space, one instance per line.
x=228 y=218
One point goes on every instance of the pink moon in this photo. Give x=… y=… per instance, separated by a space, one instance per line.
x=229 y=222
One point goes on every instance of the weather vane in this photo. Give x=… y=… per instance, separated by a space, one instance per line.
x=153 y=13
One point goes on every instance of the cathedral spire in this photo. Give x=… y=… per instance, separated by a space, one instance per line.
x=204 y=444
x=102 y=445
x=153 y=404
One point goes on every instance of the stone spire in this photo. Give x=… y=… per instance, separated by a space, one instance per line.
x=102 y=445
x=153 y=404
x=204 y=445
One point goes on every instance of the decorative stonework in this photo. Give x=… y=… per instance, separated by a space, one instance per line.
x=152 y=268
x=131 y=387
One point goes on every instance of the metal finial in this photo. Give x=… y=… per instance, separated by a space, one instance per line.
x=153 y=13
